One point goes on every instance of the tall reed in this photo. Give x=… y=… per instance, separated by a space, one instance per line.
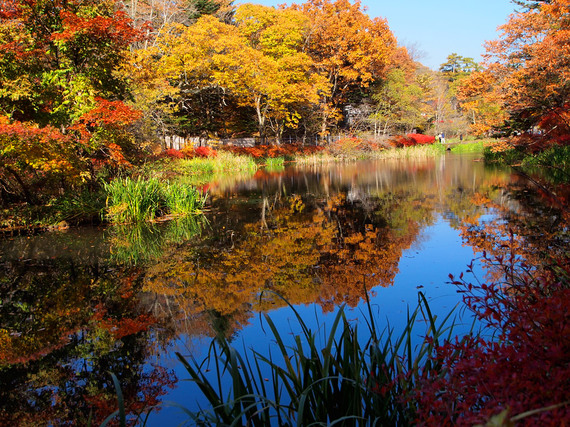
x=333 y=379
x=222 y=163
x=133 y=200
x=414 y=152
x=274 y=164
x=181 y=199
x=138 y=200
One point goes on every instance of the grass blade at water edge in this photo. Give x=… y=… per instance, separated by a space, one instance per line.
x=340 y=382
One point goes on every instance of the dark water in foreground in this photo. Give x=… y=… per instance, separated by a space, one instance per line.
x=78 y=304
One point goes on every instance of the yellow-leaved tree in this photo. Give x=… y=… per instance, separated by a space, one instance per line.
x=259 y=63
x=285 y=79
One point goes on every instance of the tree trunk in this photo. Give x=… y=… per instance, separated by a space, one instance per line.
x=25 y=191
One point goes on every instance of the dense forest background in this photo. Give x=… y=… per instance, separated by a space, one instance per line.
x=90 y=87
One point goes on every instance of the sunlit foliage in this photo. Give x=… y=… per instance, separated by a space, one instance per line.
x=530 y=64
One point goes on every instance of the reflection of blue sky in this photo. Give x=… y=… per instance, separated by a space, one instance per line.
x=426 y=264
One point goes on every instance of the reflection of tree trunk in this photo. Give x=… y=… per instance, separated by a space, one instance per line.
x=4 y=191
x=263 y=209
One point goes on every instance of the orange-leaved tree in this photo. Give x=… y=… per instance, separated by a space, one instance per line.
x=348 y=47
x=481 y=102
x=531 y=63
x=56 y=59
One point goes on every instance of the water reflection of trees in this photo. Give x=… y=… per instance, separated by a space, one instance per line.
x=304 y=249
x=531 y=227
x=65 y=326
x=316 y=235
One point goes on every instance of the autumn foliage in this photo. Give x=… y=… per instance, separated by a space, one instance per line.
x=525 y=82
x=412 y=139
x=91 y=322
x=265 y=151
x=524 y=369
x=61 y=95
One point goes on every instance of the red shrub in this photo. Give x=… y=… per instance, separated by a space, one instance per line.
x=526 y=368
x=205 y=152
x=421 y=139
x=172 y=153
x=411 y=139
x=265 y=151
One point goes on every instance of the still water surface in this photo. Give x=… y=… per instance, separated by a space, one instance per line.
x=78 y=304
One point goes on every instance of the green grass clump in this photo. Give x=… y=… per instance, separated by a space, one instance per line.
x=274 y=164
x=182 y=199
x=322 y=379
x=133 y=200
x=138 y=200
x=470 y=147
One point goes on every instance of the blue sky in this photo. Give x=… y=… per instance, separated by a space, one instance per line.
x=436 y=27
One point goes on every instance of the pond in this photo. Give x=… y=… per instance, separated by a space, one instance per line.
x=78 y=304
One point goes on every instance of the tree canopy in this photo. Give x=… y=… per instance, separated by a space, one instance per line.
x=528 y=69
x=75 y=75
x=59 y=74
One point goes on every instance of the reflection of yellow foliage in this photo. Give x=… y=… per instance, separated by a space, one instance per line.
x=480 y=199
x=297 y=204
x=303 y=261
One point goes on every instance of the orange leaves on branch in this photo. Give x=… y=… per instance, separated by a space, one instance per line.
x=116 y=29
x=348 y=47
x=531 y=64
x=346 y=43
x=110 y=114
x=25 y=145
x=106 y=127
